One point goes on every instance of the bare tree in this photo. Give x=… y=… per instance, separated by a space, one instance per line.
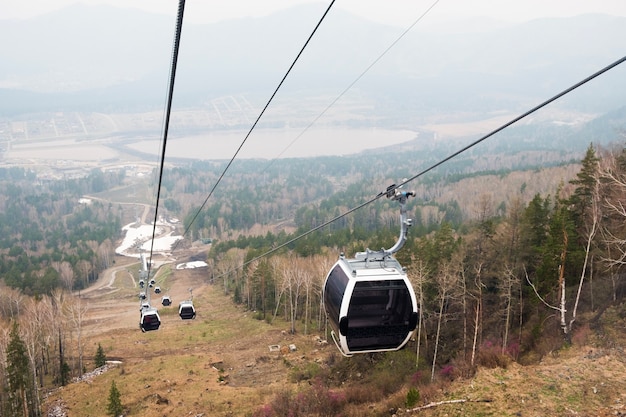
x=10 y=302
x=447 y=280
x=228 y=266
x=590 y=228
x=66 y=273
x=613 y=176
x=76 y=310
x=478 y=308
x=308 y=282
x=294 y=277
x=418 y=275
x=323 y=265
x=509 y=282
x=277 y=264
x=33 y=328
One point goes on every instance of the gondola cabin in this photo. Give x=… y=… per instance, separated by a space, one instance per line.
x=371 y=306
x=166 y=300
x=149 y=320
x=186 y=310
x=369 y=301
x=157 y=290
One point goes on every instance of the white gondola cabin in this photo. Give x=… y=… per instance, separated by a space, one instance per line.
x=186 y=310
x=369 y=301
x=166 y=300
x=150 y=319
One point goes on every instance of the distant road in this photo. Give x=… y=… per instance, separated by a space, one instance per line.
x=106 y=280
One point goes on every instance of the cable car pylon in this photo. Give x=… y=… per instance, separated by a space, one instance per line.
x=369 y=300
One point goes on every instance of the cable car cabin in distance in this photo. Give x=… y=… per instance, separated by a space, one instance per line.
x=149 y=320
x=369 y=300
x=186 y=310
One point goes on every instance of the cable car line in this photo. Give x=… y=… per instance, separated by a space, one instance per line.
x=152 y=321
x=149 y=319
x=442 y=161
x=518 y=118
x=257 y=119
x=179 y=27
x=332 y=103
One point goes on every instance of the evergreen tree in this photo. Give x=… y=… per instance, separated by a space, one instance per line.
x=20 y=386
x=580 y=200
x=100 y=359
x=114 y=408
x=535 y=231
x=581 y=207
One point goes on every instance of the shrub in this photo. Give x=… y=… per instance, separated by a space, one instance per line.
x=114 y=408
x=447 y=371
x=412 y=397
x=361 y=394
x=100 y=359
x=315 y=400
x=490 y=356
x=310 y=371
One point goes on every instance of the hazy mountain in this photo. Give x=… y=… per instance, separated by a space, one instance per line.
x=107 y=59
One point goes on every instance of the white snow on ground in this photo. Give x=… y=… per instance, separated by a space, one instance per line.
x=142 y=236
x=191 y=265
x=161 y=244
x=139 y=238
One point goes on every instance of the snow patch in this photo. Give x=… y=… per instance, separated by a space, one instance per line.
x=192 y=265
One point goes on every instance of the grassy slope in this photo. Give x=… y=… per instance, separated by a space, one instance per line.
x=220 y=364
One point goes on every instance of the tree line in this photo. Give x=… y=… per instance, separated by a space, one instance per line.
x=512 y=281
x=48 y=239
x=42 y=347
x=492 y=274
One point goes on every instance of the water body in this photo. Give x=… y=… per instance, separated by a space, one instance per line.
x=276 y=143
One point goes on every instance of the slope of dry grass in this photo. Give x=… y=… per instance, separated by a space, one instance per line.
x=220 y=364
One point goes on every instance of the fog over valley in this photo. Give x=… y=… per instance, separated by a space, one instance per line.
x=107 y=68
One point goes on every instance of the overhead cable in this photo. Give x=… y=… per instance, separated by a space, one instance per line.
x=365 y=71
x=444 y=160
x=179 y=27
x=258 y=118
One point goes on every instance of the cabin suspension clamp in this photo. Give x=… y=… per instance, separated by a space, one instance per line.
x=395 y=193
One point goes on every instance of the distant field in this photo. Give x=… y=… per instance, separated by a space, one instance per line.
x=137 y=193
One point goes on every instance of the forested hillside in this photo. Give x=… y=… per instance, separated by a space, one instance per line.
x=502 y=261
x=49 y=239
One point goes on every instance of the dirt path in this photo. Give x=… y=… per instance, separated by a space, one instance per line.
x=107 y=280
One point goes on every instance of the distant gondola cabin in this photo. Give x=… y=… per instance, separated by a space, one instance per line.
x=186 y=310
x=149 y=320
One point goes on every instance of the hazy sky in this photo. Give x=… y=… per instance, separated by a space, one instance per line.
x=399 y=12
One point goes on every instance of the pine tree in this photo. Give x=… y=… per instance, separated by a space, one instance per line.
x=114 y=407
x=21 y=388
x=585 y=181
x=100 y=359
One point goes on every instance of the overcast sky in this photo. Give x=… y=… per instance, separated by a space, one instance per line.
x=399 y=12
